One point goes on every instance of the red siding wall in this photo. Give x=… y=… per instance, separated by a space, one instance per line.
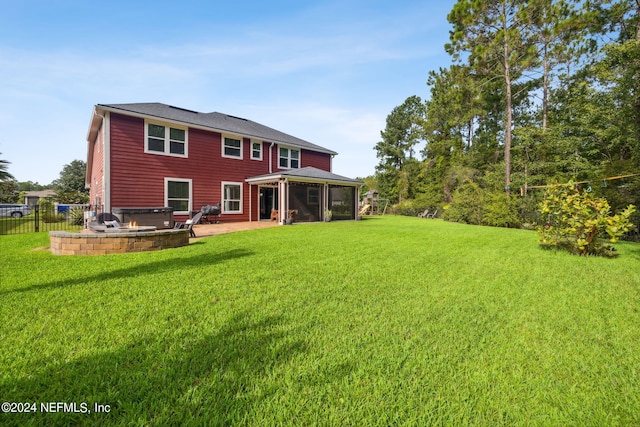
x=315 y=159
x=137 y=178
x=307 y=158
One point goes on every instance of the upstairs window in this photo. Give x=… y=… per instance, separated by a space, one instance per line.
x=160 y=139
x=289 y=158
x=256 y=150
x=232 y=147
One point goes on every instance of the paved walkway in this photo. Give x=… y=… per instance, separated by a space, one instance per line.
x=203 y=230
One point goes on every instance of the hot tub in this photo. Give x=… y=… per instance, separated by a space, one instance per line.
x=160 y=217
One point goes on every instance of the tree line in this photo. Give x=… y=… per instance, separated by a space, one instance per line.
x=538 y=92
x=69 y=187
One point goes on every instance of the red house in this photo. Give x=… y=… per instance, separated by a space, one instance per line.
x=152 y=154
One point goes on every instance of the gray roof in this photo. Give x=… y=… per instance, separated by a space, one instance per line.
x=40 y=193
x=307 y=173
x=215 y=121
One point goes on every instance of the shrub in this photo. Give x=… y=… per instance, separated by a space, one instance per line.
x=501 y=211
x=467 y=205
x=577 y=221
x=75 y=216
x=48 y=211
x=409 y=207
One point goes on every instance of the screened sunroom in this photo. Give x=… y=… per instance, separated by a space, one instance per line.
x=303 y=195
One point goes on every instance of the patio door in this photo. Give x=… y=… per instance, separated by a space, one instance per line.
x=268 y=201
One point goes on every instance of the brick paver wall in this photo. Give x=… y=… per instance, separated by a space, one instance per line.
x=90 y=243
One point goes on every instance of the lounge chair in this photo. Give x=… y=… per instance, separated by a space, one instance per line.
x=432 y=215
x=423 y=214
x=104 y=221
x=110 y=220
x=188 y=224
x=94 y=226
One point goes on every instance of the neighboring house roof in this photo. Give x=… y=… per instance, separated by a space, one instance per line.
x=41 y=193
x=304 y=174
x=214 y=121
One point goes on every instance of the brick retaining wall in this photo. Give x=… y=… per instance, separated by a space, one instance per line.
x=89 y=243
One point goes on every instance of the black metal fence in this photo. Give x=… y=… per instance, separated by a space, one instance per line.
x=54 y=218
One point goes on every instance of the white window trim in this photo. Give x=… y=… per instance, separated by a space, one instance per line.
x=289 y=157
x=167 y=139
x=222 y=184
x=256 y=142
x=166 y=193
x=231 y=136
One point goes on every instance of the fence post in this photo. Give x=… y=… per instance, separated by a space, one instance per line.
x=37 y=218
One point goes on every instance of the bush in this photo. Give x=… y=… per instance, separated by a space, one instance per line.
x=501 y=211
x=577 y=221
x=75 y=216
x=467 y=205
x=48 y=211
x=409 y=207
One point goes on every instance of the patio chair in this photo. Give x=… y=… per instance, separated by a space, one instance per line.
x=103 y=222
x=94 y=226
x=188 y=224
x=108 y=219
x=432 y=215
x=423 y=214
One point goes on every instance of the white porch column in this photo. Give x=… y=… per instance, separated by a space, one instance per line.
x=325 y=202
x=250 y=204
x=356 y=204
x=284 y=201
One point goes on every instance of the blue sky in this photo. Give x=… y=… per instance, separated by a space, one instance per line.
x=326 y=71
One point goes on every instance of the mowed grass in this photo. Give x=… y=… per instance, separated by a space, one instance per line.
x=385 y=321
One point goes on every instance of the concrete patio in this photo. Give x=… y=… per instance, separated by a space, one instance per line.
x=204 y=230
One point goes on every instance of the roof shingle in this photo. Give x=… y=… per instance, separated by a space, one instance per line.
x=308 y=172
x=215 y=121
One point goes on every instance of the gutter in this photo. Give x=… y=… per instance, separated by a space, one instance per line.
x=271 y=157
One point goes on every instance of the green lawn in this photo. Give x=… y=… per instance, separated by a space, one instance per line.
x=386 y=321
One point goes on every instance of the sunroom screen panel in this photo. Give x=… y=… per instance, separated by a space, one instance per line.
x=307 y=200
x=341 y=202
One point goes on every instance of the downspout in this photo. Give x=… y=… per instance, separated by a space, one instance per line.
x=271 y=157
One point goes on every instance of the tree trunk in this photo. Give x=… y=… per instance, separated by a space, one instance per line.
x=545 y=87
x=509 y=118
x=637 y=100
